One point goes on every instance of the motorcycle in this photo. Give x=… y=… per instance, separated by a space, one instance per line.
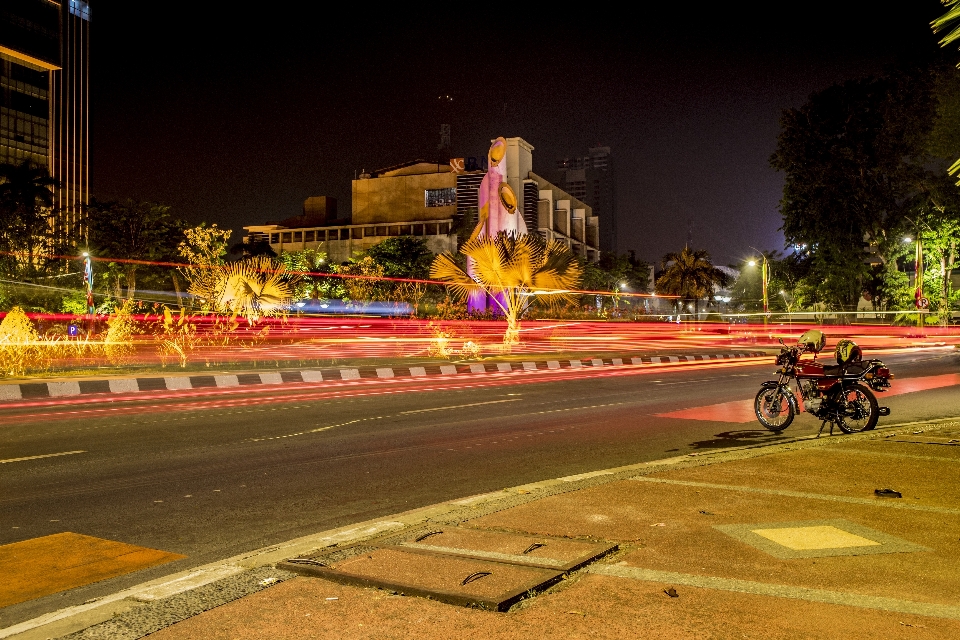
x=842 y=395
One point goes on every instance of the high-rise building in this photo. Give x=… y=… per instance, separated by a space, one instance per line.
x=45 y=96
x=591 y=179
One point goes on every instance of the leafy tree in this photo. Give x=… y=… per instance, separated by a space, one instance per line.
x=135 y=231
x=308 y=263
x=615 y=273
x=204 y=250
x=690 y=275
x=513 y=271
x=26 y=199
x=402 y=257
x=856 y=158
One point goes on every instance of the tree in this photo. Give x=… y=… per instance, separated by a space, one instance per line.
x=307 y=263
x=402 y=257
x=854 y=157
x=135 y=231
x=204 y=250
x=26 y=199
x=253 y=288
x=690 y=275
x=616 y=273
x=513 y=271
x=951 y=21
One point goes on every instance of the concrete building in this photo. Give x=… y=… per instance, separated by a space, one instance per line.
x=45 y=96
x=430 y=200
x=591 y=178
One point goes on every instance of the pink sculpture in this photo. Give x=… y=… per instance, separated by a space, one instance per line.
x=497 y=211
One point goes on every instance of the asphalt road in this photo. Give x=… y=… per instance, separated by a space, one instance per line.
x=211 y=476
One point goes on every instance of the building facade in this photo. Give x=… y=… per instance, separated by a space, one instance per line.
x=590 y=178
x=45 y=96
x=430 y=200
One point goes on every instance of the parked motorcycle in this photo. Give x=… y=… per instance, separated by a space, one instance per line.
x=842 y=395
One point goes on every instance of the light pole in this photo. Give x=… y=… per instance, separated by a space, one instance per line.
x=919 y=300
x=764 y=281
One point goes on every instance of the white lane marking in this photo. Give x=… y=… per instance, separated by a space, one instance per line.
x=46 y=455
x=459 y=406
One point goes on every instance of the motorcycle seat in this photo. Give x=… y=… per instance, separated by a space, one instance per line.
x=853 y=369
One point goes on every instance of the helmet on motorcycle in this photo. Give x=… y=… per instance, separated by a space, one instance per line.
x=847 y=352
x=812 y=340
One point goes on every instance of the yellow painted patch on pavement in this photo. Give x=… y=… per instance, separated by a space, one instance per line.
x=823 y=537
x=41 y=566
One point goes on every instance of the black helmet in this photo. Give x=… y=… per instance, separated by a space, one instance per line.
x=847 y=352
x=812 y=340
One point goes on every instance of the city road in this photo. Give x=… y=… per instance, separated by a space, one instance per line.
x=210 y=476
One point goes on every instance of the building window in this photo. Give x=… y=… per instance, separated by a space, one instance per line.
x=298 y=236
x=309 y=235
x=274 y=238
x=439 y=197
x=286 y=237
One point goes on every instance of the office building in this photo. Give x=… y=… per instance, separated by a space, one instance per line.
x=45 y=97
x=591 y=178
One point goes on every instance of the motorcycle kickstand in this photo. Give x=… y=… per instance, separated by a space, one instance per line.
x=822 y=425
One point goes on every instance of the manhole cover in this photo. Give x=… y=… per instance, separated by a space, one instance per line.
x=447 y=578
x=537 y=551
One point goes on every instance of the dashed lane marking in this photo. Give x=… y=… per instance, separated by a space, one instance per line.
x=46 y=455
x=459 y=406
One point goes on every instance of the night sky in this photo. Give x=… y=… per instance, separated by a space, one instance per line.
x=236 y=115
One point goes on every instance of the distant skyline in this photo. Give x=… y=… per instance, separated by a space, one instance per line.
x=235 y=117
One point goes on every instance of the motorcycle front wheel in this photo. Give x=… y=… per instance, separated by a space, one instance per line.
x=773 y=409
x=861 y=411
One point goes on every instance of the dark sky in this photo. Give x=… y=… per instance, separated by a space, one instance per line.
x=234 y=116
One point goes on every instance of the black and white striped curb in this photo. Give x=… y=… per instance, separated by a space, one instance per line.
x=33 y=390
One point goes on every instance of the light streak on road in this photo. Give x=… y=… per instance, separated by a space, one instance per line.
x=260 y=397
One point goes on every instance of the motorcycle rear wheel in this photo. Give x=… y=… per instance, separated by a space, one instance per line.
x=773 y=409
x=861 y=411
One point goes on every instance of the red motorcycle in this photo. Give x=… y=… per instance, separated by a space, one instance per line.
x=842 y=395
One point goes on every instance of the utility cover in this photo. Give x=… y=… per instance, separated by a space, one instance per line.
x=537 y=551
x=456 y=580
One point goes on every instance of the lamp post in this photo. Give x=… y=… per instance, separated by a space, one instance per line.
x=764 y=281
x=919 y=300
x=88 y=281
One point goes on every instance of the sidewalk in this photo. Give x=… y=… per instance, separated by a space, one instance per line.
x=129 y=384
x=787 y=541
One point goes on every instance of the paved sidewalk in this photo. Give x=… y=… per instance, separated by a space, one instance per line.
x=66 y=387
x=787 y=541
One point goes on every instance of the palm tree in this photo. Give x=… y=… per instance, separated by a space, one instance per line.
x=690 y=275
x=949 y=21
x=254 y=288
x=513 y=271
x=25 y=198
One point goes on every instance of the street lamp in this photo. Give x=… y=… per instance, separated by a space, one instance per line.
x=764 y=281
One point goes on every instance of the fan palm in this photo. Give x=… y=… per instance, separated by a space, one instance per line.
x=950 y=22
x=512 y=271
x=690 y=275
x=254 y=288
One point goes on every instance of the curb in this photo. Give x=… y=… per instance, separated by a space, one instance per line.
x=41 y=390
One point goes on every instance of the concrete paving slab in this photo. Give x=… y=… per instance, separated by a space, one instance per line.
x=817 y=539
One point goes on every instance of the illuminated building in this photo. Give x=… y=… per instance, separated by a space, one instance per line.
x=431 y=200
x=45 y=96
x=591 y=179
